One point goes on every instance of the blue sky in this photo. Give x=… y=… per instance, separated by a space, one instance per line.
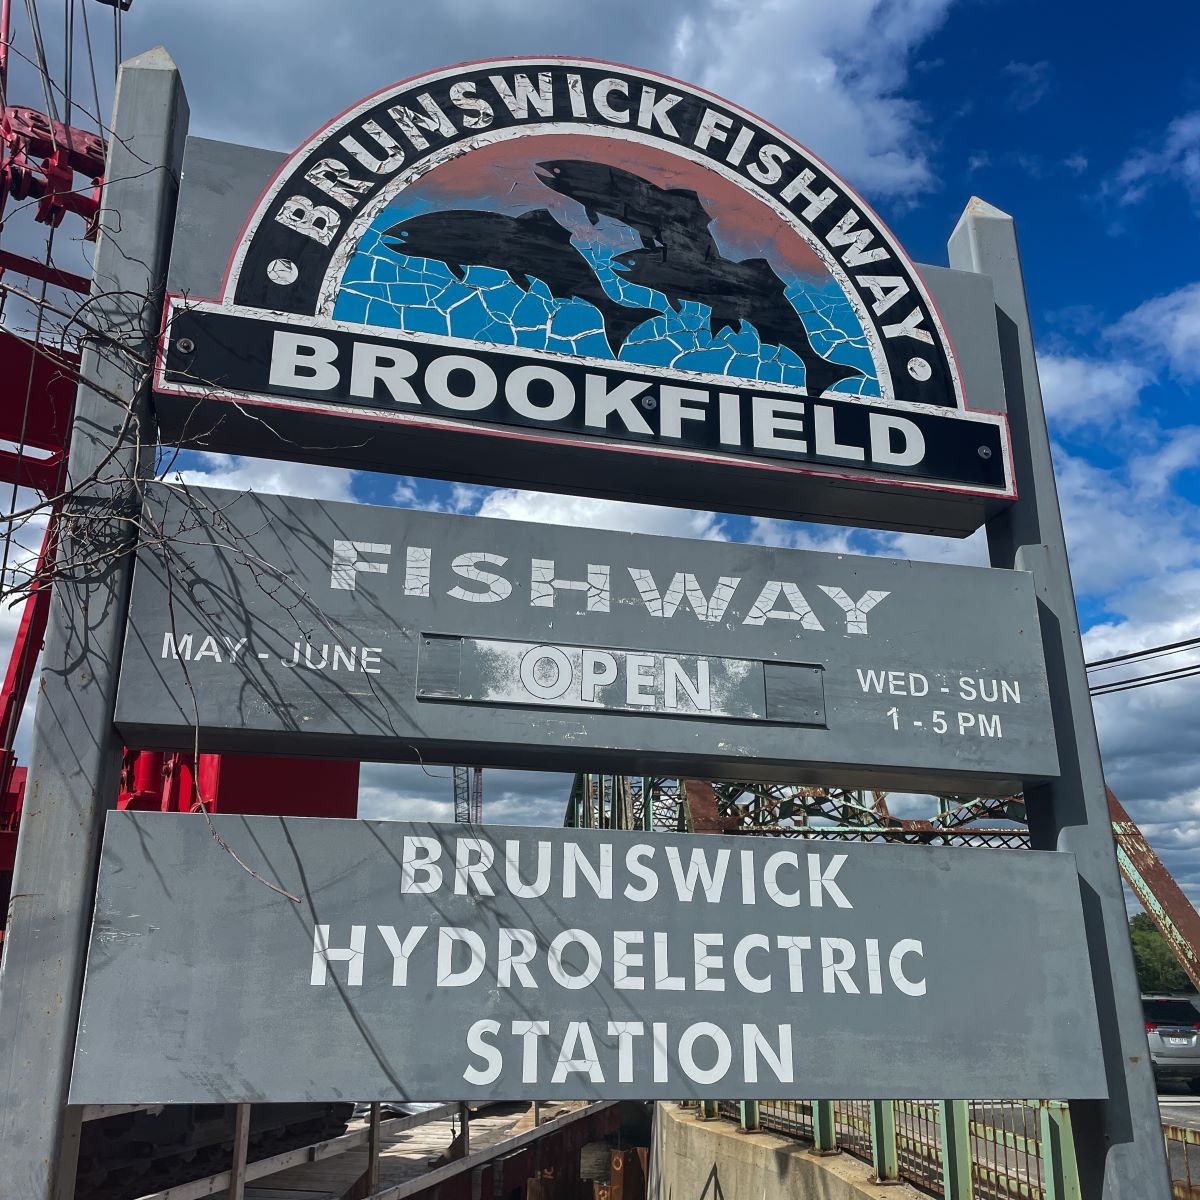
x=1082 y=121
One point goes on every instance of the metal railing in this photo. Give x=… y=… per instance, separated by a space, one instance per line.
x=957 y=1149
x=1183 y=1158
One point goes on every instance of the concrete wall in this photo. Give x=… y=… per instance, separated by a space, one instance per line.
x=712 y=1160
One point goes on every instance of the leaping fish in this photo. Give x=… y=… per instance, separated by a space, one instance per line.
x=531 y=246
x=748 y=291
x=671 y=218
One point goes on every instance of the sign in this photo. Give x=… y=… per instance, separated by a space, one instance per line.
x=433 y=961
x=599 y=271
x=301 y=627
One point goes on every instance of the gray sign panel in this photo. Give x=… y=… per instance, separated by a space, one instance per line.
x=300 y=627
x=428 y=962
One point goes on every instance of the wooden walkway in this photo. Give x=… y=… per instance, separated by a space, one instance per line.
x=403 y=1157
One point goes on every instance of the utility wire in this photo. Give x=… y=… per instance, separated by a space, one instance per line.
x=1128 y=685
x=68 y=57
x=35 y=27
x=87 y=36
x=1148 y=652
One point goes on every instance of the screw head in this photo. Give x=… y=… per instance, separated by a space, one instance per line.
x=649 y=402
x=185 y=345
x=985 y=452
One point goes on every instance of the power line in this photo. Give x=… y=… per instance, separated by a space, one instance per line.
x=35 y=28
x=1148 y=652
x=1126 y=685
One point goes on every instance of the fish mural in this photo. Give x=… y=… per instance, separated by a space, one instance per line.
x=625 y=254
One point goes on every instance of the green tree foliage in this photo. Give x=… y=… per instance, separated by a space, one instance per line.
x=1158 y=970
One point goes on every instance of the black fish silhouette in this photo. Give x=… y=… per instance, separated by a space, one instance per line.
x=672 y=218
x=735 y=291
x=531 y=246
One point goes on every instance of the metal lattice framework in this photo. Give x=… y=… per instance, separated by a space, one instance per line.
x=468 y=795
x=796 y=811
x=852 y=814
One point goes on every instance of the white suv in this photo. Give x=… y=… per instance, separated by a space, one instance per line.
x=1173 y=1032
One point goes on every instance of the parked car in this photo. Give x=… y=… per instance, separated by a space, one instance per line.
x=1173 y=1031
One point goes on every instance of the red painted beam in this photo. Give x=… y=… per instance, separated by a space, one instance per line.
x=33 y=269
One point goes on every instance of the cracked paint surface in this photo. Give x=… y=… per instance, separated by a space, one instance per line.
x=385 y=288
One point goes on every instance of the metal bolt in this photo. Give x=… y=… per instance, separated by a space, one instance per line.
x=649 y=402
x=985 y=452
x=185 y=345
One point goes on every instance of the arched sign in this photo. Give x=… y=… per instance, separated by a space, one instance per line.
x=639 y=289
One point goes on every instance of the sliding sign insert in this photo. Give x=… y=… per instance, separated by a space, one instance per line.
x=287 y=626
x=555 y=272
x=438 y=960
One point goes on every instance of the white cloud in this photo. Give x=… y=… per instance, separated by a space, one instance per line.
x=1079 y=391
x=1169 y=326
x=262 y=475
x=830 y=75
x=590 y=513
x=1029 y=83
x=795 y=535
x=1124 y=525
x=969 y=551
x=1175 y=157
x=394 y=792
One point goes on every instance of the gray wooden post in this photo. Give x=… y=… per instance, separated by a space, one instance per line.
x=1118 y=1141
x=76 y=757
x=241 y=1150
x=373 y=1149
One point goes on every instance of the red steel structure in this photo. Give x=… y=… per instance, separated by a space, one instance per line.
x=39 y=160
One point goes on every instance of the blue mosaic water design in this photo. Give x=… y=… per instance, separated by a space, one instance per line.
x=384 y=288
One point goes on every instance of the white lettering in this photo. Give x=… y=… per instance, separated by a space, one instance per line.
x=821 y=882
x=556 y=967
x=883 y=428
x=346 y=565
x=419 y=855
x=473 y=858
x=323 y=954
x=450 y=936
x=511 y=961
x=401 y=950
x=687 y=1046
x=771 y=423
x=303 y=360
x=316 y=221
x=372 y=364
x=496 y=586
x=855 y=610
x=493 y=1059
